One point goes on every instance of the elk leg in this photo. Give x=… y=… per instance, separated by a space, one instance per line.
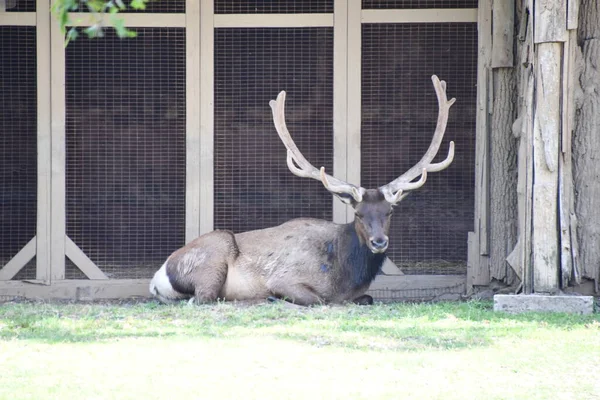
x=298 y=293
x=208 y=283
x=364 y=300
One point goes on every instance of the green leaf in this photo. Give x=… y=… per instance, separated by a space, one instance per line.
x=72 y=34
x=138 y=4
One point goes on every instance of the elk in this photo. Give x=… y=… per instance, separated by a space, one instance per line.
x=304 y=261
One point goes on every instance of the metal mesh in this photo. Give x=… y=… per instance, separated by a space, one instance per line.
x=253 y=186
x=18 y=141
x=154 y=6
x=273 y=6
x=125 y=138
x=399 y=114
x=451 y=292
x=20 y=5
x=29 y=271
x=71 y=270
x=404 y=4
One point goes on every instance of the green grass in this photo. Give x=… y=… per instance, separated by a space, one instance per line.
x=266 y=351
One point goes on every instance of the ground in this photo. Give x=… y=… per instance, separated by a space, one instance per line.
x=134 y=350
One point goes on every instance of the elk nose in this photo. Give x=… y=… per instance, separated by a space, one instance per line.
x=379 y=243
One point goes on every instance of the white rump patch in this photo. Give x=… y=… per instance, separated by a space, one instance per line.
x=161 y=288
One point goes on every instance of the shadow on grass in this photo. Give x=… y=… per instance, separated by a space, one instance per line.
x=384 y=327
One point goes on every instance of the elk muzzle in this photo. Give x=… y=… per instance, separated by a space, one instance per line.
x=378 y=244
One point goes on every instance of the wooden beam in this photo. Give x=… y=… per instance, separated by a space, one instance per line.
x=572 y=14
x=528 y=170
x=433 y=15
x=416 y=282
x=16 y=263
x=58 y=152
x=503 y=33
x=192 y=125
x=18 y=19
x=354 y=97
x=82 y=261
x=568 y=238
x=44 y=157
x=79 y=290
x=550 y=20
x=134 y=20
x=340 y=101
x=479 y=269
x=389 y=268
x=416 y=287
x=206 y=116
x=547 y=121
x=272 y=20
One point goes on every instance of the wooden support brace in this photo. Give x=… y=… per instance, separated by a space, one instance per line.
x=16 y=263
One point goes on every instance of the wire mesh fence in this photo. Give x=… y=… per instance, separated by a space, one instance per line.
x=125 y=156
x=399 y=115
x=18 y=142
x=253 y=186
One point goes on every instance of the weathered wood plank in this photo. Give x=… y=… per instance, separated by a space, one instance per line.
x=566 y=191
x=16 y=263
x=526 y=249
x=547 y=120
x=80 y=290
x=572 y=14
x=503 y=34
x=519 y=258
x=416 y=282
x=550 y=19
x=472 y=260
x=482 y=125
x=586 y=141
x=44 y=120
x=503 y=178
x=82 y=261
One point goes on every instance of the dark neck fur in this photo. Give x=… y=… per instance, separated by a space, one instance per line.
x=359 y=263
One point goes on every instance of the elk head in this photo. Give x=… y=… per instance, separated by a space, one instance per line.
x=373 y=207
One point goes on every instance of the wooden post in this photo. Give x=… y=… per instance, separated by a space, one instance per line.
x=502 y=145
x=206 y=116
x=550 y=22
x=192 y=125
x=44 y=166
x=58 y=149
x=340 y=105
x=477 y=264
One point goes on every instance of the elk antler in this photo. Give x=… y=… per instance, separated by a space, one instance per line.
x=300 y=166
x=400 y=187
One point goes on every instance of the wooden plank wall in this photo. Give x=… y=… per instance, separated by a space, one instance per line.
x=544 y=257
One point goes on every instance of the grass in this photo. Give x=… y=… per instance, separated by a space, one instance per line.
x=266 y=351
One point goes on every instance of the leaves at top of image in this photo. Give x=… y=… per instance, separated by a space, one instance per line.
x=102 y=14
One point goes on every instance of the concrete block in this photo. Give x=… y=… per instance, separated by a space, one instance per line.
x=519 y=303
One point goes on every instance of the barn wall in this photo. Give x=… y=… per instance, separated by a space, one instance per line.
x=536 y=221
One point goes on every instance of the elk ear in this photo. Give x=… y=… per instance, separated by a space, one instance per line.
x=345 y=198
x=353 y=197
